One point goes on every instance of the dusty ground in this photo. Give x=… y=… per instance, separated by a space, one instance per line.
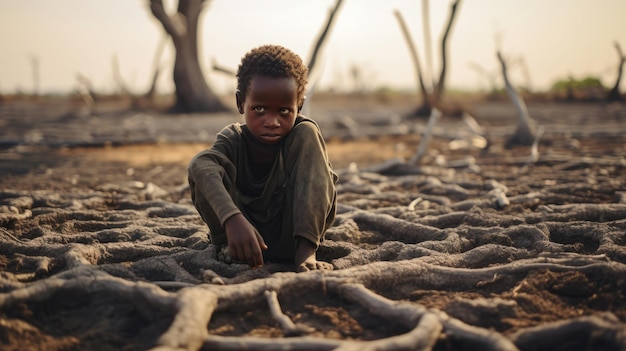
x=475 y=249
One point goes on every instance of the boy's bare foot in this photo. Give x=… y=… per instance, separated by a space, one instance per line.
x=305 y=258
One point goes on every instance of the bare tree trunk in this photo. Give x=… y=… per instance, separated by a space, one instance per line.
x=117 y=77
x=428 y=132
x=316 y=52
x=435 y=97
x=523 y=134
x=442 y=76
x=428 y=47
x=614 y=94
x=86 y=93
x=425 y=107
x=321 y=39
x=157 y=69
x=193 y=94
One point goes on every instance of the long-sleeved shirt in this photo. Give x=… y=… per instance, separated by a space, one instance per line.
x=297 y=198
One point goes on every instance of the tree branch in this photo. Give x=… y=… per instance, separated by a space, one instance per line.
x=444 y=42
x=435 y=114
x=173 y=25
x=288 y=327
x=414 y=56
x=321 y=39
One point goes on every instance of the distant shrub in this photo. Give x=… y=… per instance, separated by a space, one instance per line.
x=586 y=83
x=587 y=88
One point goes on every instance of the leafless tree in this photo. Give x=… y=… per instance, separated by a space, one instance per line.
x=444 y=51
x=316 y=53
x=435 y=97
x=524 y=134
x=321 y=41
x=193 y=94
x=117 y=76
x=157 y=68
x=425 y=107
x=428 y=47
x=138 y=99
x=34 y=62
x=614 y=94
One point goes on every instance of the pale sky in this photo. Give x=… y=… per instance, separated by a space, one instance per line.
x=555 y=38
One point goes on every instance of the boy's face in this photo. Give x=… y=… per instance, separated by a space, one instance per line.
x=270 y=107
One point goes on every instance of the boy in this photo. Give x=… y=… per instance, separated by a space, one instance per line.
x=266 y=188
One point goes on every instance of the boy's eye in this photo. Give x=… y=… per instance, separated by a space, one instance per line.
x=285 y=111
x=259 y=109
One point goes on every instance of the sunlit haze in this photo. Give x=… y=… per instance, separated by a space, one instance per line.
x=554 y=38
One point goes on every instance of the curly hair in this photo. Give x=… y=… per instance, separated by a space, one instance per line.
x=272 y=61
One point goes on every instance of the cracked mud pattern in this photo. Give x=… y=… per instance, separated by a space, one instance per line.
x=474 y=250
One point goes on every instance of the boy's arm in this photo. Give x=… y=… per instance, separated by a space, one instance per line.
x=212 y=173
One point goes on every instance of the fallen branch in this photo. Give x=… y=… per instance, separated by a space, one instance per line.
x=435 y=114
x=289 y=328
x=426 y=105
x=523 y=134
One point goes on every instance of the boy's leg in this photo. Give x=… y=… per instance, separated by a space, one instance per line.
x=311 y=193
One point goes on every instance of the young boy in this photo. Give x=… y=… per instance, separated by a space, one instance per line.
x=266 y=188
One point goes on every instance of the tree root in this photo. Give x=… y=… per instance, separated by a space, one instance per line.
x=602 y=332
x=440 y=258
x=289 y=328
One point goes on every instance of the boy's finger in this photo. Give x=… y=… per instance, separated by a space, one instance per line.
x=232 y=252
x=253 y=255
x=262 y=243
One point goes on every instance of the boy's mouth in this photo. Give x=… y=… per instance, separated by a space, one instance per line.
x=270 y=137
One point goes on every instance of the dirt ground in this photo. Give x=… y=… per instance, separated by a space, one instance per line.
x=477 y=247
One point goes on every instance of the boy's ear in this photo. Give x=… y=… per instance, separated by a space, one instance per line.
x=302 y=104
x=240 y=100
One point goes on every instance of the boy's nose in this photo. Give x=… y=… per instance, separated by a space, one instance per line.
x=273 y=120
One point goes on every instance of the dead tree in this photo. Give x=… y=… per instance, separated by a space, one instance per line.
x=524 y=133
x=321 y=41
x=85 y=91
x=614 y=94
x=117 y=76
x=314 y=69
x=444 y=52
x=434 y=98
x=193 y=94
x=428 y=47
x=137 y=99
x=157 y=69
x=425 y=107
x=425 y=140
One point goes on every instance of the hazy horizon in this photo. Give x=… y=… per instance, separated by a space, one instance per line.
x=555 y=38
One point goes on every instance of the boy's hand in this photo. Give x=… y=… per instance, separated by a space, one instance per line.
x=244 y=242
